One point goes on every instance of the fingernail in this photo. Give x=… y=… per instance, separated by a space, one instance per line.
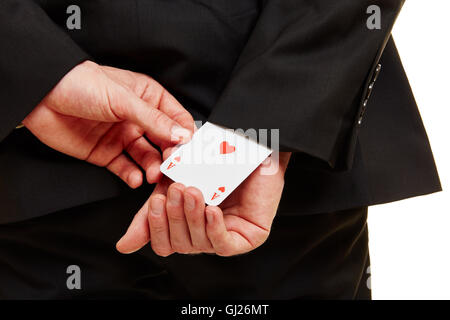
x=175 y=197
x=157 y=206
x=180 y=134
x=189 y=201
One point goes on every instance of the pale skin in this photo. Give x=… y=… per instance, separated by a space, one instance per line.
x=102 y=115
x=107 y=116
x=175 y=219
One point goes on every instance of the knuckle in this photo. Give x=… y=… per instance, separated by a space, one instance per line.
x=185 y=118
x=194 y=192
x=263 y=238
x=222 y=249
x=116 y=109
x=189 y=117
x=175 y=216
x=152 y=94
x=183 y=251
x=156 y=226
x=133 y=143
x=200 y=247
x=162 y=252
x=162 y=95
x=90 y=66
x=223 y=252
x=194 y=218
x=159 y=118
x=260 y=239
x=181 y=247
x=147 y=79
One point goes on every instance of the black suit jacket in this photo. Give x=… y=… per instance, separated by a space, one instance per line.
x=305 y=67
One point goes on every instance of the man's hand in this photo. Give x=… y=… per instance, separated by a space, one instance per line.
x=98 y=114
x=175 y=219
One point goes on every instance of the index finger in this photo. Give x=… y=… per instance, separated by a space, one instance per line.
x=170 y=106
x=158 y=97
x=158 y=126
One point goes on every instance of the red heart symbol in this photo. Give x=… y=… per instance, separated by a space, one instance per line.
x=226 y=148
x=222 y=189
x=177 y=159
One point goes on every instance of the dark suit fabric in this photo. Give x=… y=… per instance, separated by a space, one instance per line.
x=303 y=67
x=306 y=257
x=299 y=66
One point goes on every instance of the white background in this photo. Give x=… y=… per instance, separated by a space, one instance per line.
x=410 y=239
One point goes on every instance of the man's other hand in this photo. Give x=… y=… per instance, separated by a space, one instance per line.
x=105 y=115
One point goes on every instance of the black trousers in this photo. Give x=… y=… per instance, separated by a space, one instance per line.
x=322 y=256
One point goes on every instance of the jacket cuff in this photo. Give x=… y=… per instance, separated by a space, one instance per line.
x=308 y=73
x=36 y=56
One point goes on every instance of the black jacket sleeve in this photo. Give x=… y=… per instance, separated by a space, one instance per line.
x=35 y=54
x=306 y=70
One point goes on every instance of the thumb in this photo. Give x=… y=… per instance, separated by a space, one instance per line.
x=138 y=233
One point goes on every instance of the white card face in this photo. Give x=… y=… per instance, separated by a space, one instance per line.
x=216 y=161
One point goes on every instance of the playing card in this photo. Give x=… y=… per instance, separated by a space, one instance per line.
x=216 y=161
